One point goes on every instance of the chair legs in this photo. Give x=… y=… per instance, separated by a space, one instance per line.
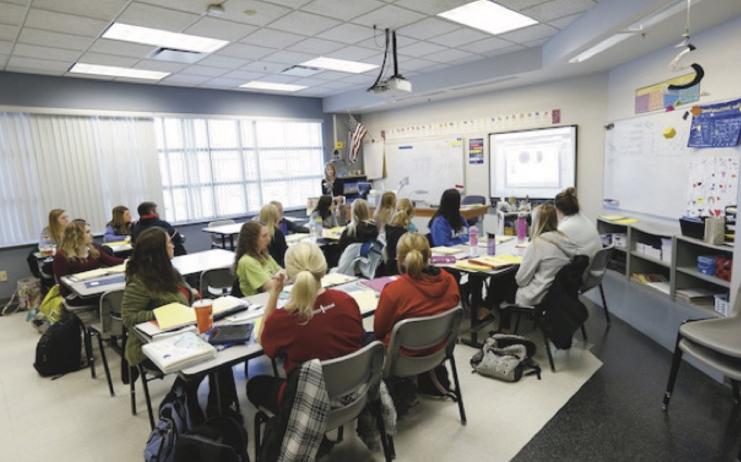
x=89 y=351
x=378 y=414
x=604 y=303
x=676 y=362
x=583 y=333
x=260 y=419
x=547 y=346
x=132 y=389
x=145 y=385
x=458 y=393
x=105 y=364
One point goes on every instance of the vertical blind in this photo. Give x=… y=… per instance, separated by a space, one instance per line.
x=85 y=165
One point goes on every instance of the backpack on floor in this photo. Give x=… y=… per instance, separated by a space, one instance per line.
x=58 y=350
x=175 y=419
x=506 y=357
x=221 y=439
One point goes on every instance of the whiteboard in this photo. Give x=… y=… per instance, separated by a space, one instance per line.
x=650 y=174
x=422 y=169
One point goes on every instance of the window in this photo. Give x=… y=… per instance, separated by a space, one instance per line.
x=226 y=167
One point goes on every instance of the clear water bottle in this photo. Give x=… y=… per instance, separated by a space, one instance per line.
x=473 y=240
x=317 y=228
x=491 y=244
x=521 y=226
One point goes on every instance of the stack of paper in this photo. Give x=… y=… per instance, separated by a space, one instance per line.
x=469 y=266
x=333 y=233
x=446 y=250
x=174 y=315
x=367 y=299
x=96 y=273
x=226 y=305
x=177 y=352
x=336 y=279
x=497 y=261
x=696 y=296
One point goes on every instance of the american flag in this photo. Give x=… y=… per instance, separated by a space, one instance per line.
x=356 y=140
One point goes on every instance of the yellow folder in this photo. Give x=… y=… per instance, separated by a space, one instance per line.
x=174 y=315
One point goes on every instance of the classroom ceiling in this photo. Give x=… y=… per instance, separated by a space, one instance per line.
x=266 y=37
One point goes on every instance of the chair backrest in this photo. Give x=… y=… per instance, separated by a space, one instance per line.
x=597 y=267
x=110 y=312
x=420 y=335
x=216 y=239
x=216 y=282
x=473 y=199
x=357 y=376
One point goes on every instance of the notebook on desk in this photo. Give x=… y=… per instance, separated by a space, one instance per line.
x=446 y=250
x=96 y=273
x=177 y=352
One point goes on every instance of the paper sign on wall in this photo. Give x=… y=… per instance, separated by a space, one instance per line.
x=476 y=151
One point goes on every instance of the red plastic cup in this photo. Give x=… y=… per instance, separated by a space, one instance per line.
x=204 y=315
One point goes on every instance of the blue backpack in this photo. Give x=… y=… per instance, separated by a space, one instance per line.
x=176 y=418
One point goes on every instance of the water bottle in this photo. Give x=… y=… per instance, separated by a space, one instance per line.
x=317 y=228
x=473 y=240
x=521 y=228
x=491 y=244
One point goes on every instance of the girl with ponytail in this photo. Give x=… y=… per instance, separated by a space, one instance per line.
x=315 y=323
x=422 y=290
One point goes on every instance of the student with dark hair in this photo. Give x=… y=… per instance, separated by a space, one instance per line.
x=148 y=218
x=325 y=211
x=253 y=264
x=447 y=226
x=575 y=225
x=120 y=226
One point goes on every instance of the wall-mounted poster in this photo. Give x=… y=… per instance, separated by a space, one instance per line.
x=476 y=151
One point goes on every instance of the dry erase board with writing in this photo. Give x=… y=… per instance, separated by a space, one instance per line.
x=422 y=169
x=648 y=173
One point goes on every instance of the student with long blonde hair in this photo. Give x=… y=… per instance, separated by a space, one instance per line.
x=386 y=209
x=120 y=227
x=270 y=217
x=54 y=232
x=361 y=227
x=315 y=323
x=253 y=264
x=404 y=214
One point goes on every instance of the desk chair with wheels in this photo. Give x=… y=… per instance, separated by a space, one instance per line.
x=216 y=282
x=109 y=326
x=594 y=275
x=358 y=375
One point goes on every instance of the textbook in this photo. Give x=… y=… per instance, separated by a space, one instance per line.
x=177 y=352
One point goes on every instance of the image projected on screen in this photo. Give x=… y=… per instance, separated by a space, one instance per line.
x=536 y=163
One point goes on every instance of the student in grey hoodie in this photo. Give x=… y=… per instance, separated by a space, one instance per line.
x=549 y=251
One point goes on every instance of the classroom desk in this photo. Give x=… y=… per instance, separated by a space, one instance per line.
x=232 y=229
x=469 y=212
x=193 y=263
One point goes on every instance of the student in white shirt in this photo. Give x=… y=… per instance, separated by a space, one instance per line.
x=580 y=230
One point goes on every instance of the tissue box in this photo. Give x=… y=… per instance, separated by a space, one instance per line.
x=620 y=240
x=722 y=306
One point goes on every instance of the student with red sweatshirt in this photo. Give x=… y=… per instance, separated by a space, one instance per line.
x=422 y=290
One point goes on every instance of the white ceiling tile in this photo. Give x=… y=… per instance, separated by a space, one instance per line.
x=116 y=47
x=33 y=51
x=427 y=28
x=5 y=47
x=221 y=82
x=359 y=79
x=12 y=14
x=389 y=16
x=554 y=9
x=519 y=5
x=487 y=45
x=261 y=13
x=353 y=53
x=163 y=66
x=185 y=78
x=54 y=39
x=18 y=2
x=272 y=38
x=220 y=29
x=32 y=70
x=304 y=23
x=20 y=62
x=140 y=14
x=337 y=84
x=8 y=32
x=528 y=34
x=289 y=3
x=263 y=67
x=240 y=50
x=467 y=59
x=563 y=23
x=100 y=9
x=421 y=49
x=190 y=6
x=347 y=33
x=244 y=76
x=316 y=46
x=449 y=56
x=207 y=71
x=412 y=64
x=277 y=78
x=222 y=61
x=505 y=50
x=459 y=37
x=107 y=60
x=342 y=9
x=432 y=7
x=377 y=42
x=330 y=75
x=535 y=43
x=309 y=82
x=61 y=22
x=289 y=57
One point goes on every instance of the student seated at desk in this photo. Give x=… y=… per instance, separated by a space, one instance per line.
x=361 y=227
x=287 y=226
x=404 y=214
x=549 y=251
x=52 y=235
x=576 y=226
x=120 y=226
x=422 y=290
x=447 y=226
x=76 y=254
x=315 y=323
x=148 y=218
x=325 y=211
x=270 y=217
x=253 y=264
x=385 y=210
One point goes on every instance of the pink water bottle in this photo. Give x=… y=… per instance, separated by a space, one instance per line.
x=491 y=244
x=473 y=240
x=521 y=228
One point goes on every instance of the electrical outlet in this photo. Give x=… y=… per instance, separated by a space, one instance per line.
x=3 y=276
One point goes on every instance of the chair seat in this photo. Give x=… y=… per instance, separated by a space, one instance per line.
x=730 y=367
x=721 y=335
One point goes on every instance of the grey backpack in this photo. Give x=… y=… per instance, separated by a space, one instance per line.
x=506 y=357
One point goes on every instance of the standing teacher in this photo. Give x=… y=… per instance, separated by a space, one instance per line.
x=330 y=185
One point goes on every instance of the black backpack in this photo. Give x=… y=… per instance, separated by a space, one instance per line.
x=58 y=350
x=221 y=439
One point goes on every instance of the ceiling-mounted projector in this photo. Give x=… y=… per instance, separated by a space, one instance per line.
x=396 y=84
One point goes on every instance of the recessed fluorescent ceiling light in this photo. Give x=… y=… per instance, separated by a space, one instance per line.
x=162 y=38
x=600 y=47
x=488 y=17
x=115 y=71
x=340 y=65
x=258 y=85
